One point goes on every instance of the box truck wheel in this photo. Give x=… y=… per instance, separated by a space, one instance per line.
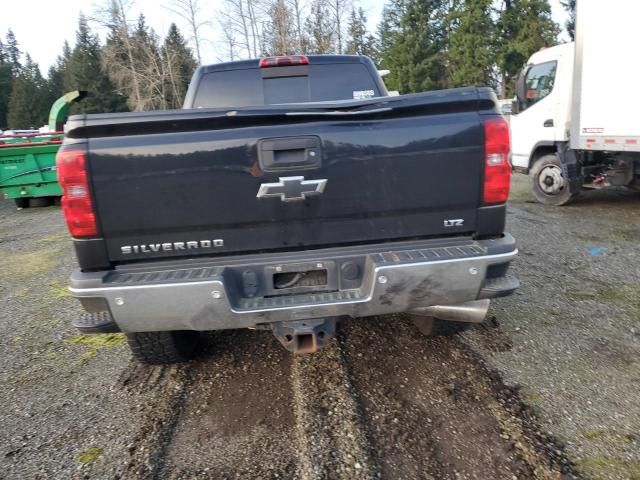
x=548 y=183
x=162 y=347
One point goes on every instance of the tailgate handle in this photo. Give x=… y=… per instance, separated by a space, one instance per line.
x=289 y=153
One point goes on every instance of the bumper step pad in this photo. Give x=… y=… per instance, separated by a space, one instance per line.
x=98 y=322
x=499 y=287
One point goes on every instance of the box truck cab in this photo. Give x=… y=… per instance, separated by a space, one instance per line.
x=574 y=121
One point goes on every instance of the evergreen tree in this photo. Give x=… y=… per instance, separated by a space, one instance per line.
x=57 y=73
x=523 y=27
x=82 y=70
x=417 y=48
x=320 y=31
x=360 y=41
x=390 y=25
x=10 y=67
x=389 y=31
x=27 y=102
x=12 y=52
x=6 y=76
x=570 y=7
x=470 y=52
x=179 y=65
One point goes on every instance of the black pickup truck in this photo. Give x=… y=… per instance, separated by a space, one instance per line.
x=289 y=192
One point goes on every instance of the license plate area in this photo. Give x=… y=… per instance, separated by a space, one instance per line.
x=296 y=278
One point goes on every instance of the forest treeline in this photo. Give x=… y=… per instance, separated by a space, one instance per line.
x=426 y=44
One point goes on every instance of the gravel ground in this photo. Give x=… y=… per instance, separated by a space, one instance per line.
x=571 y=335
x=546 y=388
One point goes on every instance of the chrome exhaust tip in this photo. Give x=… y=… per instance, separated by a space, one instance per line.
x=471 y=312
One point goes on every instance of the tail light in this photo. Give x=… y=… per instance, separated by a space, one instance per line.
x=497 y=171
x=285 y=61
x=76 y=199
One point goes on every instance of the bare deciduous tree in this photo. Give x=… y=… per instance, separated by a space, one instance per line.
x=118 y=54
x=139 y=68
x=338 y=10
x=229 y=39
x=297 y=7
x=189 y=10
x=320 y=29
x=241 y=21
x=279 y=31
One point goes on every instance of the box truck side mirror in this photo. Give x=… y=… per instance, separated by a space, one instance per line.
x=521 y=90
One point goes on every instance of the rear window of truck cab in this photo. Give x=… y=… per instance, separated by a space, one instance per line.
x=270 y=86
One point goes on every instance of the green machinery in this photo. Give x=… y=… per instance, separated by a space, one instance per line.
x=28 y=160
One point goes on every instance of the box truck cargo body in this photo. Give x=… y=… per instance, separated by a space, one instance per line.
x=575 y=119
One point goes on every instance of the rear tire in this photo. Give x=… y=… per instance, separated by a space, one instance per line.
x=548 y=183
x=158 y=348
x=37 y=202
x=21 y=203
x=434 y=327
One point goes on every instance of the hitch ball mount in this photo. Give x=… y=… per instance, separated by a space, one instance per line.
x=305 y=336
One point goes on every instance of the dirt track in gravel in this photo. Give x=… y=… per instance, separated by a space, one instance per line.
x=380 y=402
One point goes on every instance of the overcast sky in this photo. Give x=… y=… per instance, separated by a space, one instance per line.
x=42 y=26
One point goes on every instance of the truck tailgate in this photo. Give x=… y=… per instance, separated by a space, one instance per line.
x=403 y=174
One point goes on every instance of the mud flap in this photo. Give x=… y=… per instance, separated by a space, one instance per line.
x=570 y=167
x=305 y=336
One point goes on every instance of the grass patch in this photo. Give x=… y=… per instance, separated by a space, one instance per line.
x=624 y=234
x=21 y=266
x=607 y=467
x=93 y=343
x=532 y=398
x=521 y=196
x=55 y=237
x=51 y=355
x=90 y=456
x=58 y=292
x=23 y=292
x=98 y=341
x=595 y=434
x=626 y=297
x=609 y=436
x=577 y=295
x=88 y=355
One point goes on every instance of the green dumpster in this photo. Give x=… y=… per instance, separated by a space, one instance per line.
x=28 y=161
x=28 y=167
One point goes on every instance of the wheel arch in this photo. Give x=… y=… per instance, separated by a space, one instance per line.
x=543 y=148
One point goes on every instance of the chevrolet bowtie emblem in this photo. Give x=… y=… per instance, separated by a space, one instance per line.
x=292 y=189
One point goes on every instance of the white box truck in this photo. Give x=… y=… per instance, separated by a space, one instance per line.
x=575 y=123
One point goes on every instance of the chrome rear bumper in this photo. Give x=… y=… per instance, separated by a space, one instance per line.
x=394 y=278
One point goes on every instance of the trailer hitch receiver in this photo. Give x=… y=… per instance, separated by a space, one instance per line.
x=305 y=336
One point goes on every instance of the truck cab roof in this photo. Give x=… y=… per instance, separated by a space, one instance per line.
x=313 y=59
x=551 y=53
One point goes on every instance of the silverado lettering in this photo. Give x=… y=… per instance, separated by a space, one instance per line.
x=171 y=246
